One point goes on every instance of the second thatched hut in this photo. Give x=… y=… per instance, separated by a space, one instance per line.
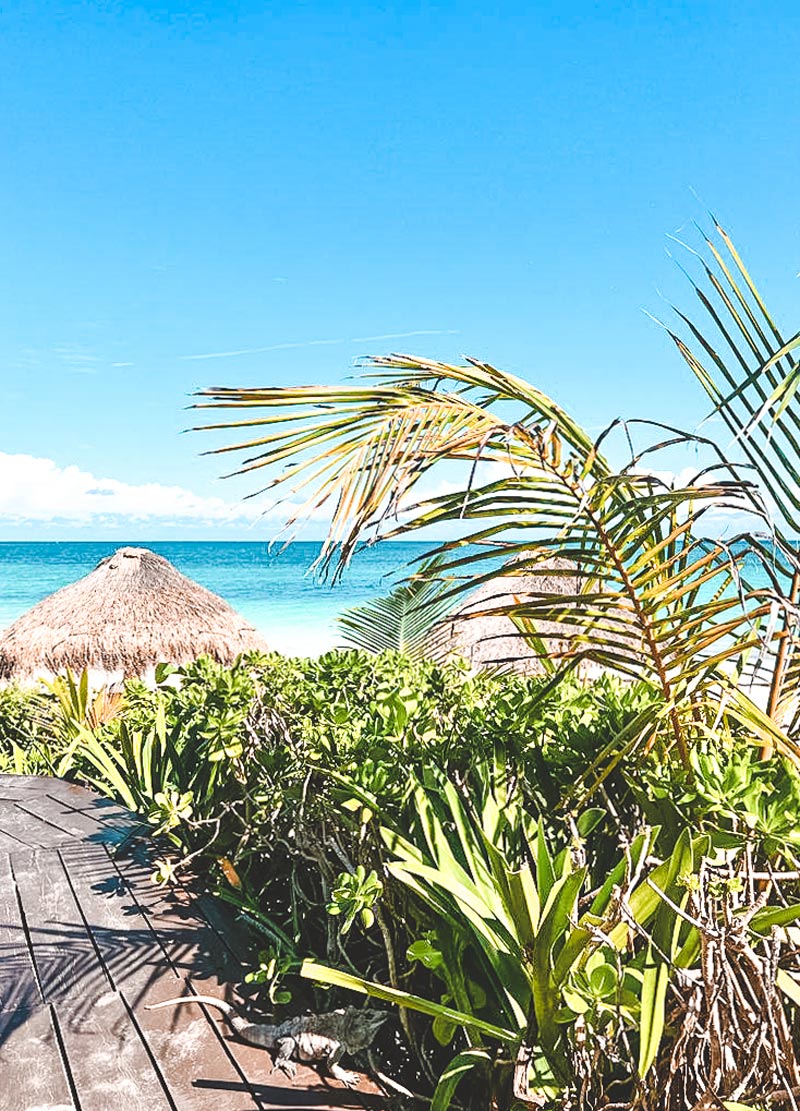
x=486 y=637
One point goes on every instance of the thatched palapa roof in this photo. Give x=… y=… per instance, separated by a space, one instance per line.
x=133 y=611
x=487 y=639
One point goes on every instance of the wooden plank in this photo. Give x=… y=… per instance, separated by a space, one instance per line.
x=31 y=1067
x=30 y=783
x=63 y=954
x=25 y=827
x=18 y=987
x=29 y=787
x=193 y=945
x=209 y=966
x=13 y=793
x=25 y=787
x=76 y=823
x=105 y=1054
x=74 y=794
x=308 y=1093
x=107 y=1060
x=22 y=787
x=69 y=807
x=53 y=814
x=184 y=1044
x=9 y=844
x=233 y=934
x=99 y=807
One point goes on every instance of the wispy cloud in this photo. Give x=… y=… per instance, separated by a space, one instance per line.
x=321 y=343
x=35 y=489
x=73 y=358
x=77 y=358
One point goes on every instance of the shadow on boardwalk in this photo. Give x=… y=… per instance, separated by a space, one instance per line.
x=87 y=941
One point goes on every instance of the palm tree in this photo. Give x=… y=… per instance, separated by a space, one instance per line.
x=657 y=598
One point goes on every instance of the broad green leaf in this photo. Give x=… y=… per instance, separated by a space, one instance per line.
x=553 y=927
x=545 y=875
x=651 y=1024
x=646 y=899
x=642 y=843
x=311 y=970
x=455 y=1071
x=764 y=920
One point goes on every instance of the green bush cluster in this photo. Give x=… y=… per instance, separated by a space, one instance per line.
x=429 y=836
x=26 y=731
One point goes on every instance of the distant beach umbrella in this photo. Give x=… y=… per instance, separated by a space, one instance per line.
x=486 y=637
x=133 y=611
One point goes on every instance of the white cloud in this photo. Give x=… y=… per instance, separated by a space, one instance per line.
x=37 y=489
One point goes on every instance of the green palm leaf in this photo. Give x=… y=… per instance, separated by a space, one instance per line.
x=749 y=370
x=401 y=621
x=650 y=598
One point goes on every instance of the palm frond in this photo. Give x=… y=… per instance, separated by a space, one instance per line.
x=402 y=621
x=362 y=450
x=747 y=368
x=655 y=601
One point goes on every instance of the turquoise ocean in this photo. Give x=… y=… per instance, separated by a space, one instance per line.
x=272 y=589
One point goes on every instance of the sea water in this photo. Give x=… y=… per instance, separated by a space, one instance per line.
x=273 y=589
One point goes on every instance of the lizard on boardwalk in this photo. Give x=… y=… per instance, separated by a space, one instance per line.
x=317 y=1039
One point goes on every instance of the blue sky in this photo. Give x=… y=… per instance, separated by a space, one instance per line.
x=311 y=182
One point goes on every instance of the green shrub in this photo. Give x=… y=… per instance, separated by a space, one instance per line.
x=377 y=813
x=25 y=731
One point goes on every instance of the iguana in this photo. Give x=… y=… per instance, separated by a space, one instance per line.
x=316 y=1039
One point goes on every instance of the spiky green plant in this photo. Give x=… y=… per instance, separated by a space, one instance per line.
x=402 y=621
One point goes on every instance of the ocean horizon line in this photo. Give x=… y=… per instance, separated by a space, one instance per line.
x=212 y=540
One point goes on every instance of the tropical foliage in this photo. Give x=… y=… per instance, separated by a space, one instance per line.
x=652 y=597
x=578 y=892
x=403 y=621
x=710 y=624
x=417 y=803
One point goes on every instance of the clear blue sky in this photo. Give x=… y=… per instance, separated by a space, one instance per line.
x=251 y=176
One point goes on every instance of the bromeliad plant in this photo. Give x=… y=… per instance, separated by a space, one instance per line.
x=551 y=983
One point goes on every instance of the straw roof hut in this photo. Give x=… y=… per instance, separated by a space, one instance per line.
x=133 y=611
x=492 y=640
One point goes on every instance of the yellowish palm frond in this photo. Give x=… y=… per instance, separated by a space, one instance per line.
x=656 y=601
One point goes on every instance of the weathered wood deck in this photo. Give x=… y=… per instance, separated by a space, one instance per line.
x=86 y=940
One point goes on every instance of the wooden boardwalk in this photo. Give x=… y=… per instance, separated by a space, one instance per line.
x=86 y=940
